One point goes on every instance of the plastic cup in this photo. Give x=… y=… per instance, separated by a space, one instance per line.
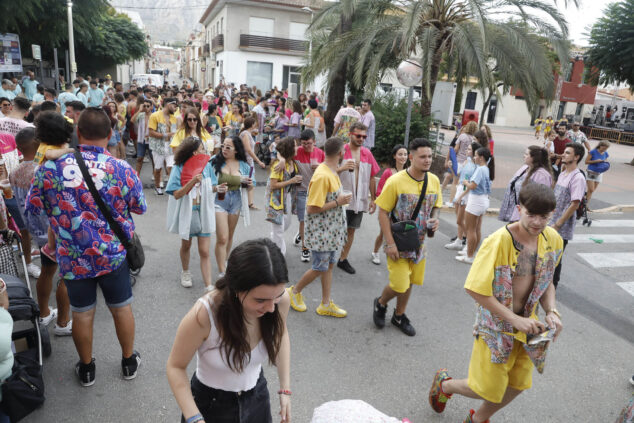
x=430 y=231
x=5 y=185
x=220 y=196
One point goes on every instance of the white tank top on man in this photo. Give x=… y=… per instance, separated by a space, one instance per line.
x=212 y=369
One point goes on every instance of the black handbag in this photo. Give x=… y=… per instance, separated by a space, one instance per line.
x=405 y=232
x=23 y=391
x=133 y=247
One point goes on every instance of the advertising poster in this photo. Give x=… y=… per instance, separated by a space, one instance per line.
x=10 y=55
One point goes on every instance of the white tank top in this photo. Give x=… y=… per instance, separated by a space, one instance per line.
x=212 y=369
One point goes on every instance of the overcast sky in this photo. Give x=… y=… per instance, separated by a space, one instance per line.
x=580 y=20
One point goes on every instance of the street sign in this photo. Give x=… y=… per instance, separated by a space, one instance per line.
x=37 y=52
x=10 y=55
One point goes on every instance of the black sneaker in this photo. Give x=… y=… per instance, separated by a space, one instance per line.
x=379 y=314
x=305 y=255
x=130 y=365
x=632 y=380
x=346 y=266
x=402 y=322
x=86 y=372
x=298 y=240
x=454 y=238
x=464 y=240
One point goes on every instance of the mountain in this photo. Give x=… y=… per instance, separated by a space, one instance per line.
x=166 y=20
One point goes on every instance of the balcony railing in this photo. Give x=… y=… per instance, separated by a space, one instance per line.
x=218 y=43
x=273 y=43
x=205 y=49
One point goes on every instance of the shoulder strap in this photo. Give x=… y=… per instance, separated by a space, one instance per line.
x=423 y=192
x=114 y=226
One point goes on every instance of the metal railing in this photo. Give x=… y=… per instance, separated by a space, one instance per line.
x=273 y=43
x=218 y=42
x=610 y=135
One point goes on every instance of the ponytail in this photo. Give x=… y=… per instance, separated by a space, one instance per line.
x=490 y=161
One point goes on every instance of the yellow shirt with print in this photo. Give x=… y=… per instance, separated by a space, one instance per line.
x=180 y=136
x=324 y=181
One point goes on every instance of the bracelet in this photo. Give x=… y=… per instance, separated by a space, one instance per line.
x=336 y=202
x=390 y=245
x=284 y=392
x=195 y=418
x=554 y=311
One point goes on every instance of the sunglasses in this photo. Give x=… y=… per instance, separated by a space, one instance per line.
x=359 y=135
x=192 y=120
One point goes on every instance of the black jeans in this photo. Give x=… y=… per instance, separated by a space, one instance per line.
x=218 y=406
x=557 y=274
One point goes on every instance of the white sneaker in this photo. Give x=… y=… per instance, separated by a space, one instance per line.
x=209 y=288
x=297 y=241
x=465 y=259
x=456 y=245
x=63 y=330
x=48 y=319
x=221 y=275
x=449 y=204
x=186 y=279
x=463 y=252
x=33 y=269
x=376 y=258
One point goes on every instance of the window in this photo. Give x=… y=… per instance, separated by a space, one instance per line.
x=386 y=87
x=470 y=102
x=297 y=31
x=217 y=27
x=260 y=74
x=261 y=26
x=568 y=72
x=222 y=24
x=291 y=74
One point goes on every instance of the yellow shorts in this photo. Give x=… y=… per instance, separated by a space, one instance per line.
x=404 y=273
x=490 y=380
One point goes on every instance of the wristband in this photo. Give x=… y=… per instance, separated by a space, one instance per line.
x=336 y=202
x=284 y=392
x=195 y=418
x=390 y=245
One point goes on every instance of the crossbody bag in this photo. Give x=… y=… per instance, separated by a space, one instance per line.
x=133 y=247
x=405 y=232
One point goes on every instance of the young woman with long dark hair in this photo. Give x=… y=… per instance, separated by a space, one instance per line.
x=192 y=126
x=231 y=168
x=233 y=330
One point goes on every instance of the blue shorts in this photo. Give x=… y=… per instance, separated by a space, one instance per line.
x=301 y=205
x=231 y=204
x=115 y=287
x=142 y=149
x=323 y=259
x=14 y=211
x=195 y=227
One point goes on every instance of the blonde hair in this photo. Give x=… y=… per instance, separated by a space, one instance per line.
x=470 y=128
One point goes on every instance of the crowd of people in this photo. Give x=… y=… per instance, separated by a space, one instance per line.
x=204 y=146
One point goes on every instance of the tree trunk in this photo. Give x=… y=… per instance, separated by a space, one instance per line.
x=425 y=103
x=459 y=89
x=337 y=85
x=485 y=107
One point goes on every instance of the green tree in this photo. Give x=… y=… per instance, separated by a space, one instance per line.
x=430 y=30
x=612 y=44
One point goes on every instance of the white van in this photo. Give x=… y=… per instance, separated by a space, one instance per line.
x=143 y=79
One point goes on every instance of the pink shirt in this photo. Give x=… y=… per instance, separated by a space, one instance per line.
x=368 y=167
x=302 y=160
x=386 y=174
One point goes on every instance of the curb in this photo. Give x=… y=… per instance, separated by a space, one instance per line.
x=611 y=209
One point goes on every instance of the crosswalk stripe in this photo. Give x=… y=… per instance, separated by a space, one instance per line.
x=627 y=286
x=606 y=238
x=613 y=223
x=608 y=259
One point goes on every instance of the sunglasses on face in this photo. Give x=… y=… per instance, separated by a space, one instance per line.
x=359 y=135
x=192 y=120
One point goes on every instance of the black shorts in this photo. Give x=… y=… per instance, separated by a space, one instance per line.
x=354 y=219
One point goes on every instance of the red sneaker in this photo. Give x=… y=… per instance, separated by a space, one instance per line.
x=469 y=418
x=49 y=253
x=437 y=398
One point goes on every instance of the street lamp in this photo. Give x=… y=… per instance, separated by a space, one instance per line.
x=409 y=73
x=71 y=41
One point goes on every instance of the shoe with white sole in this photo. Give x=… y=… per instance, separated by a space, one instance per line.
x=63 y=330
x=186 y=279
x=33 y=269
x=130 y=365
x=376 y=258
x=297 y=241
x=456 y=245
x=463 y=252
x=45 y=321
x=465 y=259
x=305 y=257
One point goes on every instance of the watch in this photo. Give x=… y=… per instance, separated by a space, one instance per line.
x=555 y=312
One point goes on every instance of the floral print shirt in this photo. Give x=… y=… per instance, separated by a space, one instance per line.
x=492 y=273
x=86 y=247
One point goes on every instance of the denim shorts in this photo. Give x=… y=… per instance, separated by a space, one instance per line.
x=196 y=227
x=115 y=287
x=142 y=149
x=322 y=259
x=218 y=406
x=301 y=205
x=231 y=204
x=354 y=219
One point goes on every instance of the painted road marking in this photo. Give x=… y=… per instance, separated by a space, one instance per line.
x=607 y=238
x=613 y=223
x=628 y=286
x=608 y=259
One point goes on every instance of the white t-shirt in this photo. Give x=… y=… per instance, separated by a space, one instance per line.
x=13 y=126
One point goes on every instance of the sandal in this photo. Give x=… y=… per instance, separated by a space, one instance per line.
x=253 y=207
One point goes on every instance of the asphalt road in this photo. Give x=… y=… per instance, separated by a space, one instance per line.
x=585 y=379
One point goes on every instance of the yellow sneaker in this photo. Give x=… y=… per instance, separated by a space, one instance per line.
x=297 y=300
x=331 y=309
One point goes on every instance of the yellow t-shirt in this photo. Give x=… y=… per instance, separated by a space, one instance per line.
x=158 y=118
x=323 y=181
x=178 y=138
x=40 y=155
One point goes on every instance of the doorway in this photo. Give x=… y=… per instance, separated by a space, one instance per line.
x=470 y=102
x=291 y=74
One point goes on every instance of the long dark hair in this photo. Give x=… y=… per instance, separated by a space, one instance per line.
x=199 y=124
x=540 y=158
x=186 y=150
x=218 y=161
x=488 y=158
x=482 y=138
x=393 y=153
x=253 y=263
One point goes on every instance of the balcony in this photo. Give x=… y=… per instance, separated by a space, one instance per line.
x=218 y=43
x=273 y=44
x=205 y=51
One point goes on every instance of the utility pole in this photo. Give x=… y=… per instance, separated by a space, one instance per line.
x=71 y=42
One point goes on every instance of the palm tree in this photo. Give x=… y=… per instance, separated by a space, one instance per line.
x=470 y=32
